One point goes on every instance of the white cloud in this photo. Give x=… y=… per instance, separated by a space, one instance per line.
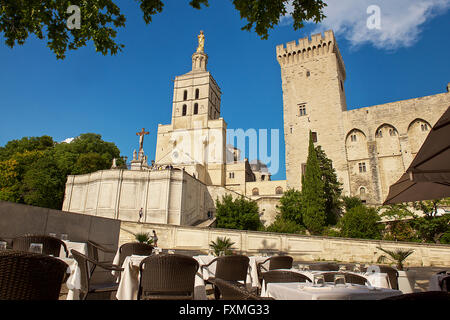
x=401 y=20
x=68 y=140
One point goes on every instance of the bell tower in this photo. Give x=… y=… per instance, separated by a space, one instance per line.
x=197 y=134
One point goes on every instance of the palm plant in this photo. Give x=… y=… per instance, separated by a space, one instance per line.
x=144 y=237
x=398 y=256
x=222 y=246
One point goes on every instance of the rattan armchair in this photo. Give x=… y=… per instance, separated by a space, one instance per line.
x=232 y=268
x=324 y=267
x=134 y=248
x=232 y=290
x=30 y=276
x=349 y=277
x=275 y=262
x=93 y=249
x=167 y=277
x=279 y=276
x=87 y=287
x=51 y=245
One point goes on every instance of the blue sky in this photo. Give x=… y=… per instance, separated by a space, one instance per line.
x=117 y=96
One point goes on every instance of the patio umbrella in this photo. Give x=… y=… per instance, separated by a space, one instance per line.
x=428 y=176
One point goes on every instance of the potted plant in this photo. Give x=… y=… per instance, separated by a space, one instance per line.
x=406 y=279
x=222 y=246
x=143 y=237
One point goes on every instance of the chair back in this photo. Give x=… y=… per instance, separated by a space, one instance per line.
x=324 y=267
x=50 y=245
x=349 y=277
x=231 y=290
x=82 y=262
x=278 y=276
x=280 y=262
x=233 y=267
x=167 y=276
x=444 y=283
x=30 y=276
x=134 y=248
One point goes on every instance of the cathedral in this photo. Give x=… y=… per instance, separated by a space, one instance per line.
x=370 y=147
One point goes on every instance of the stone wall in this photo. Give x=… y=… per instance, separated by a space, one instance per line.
x=166 y=196
x=304 y=248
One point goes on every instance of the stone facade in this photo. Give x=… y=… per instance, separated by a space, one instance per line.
x=370 y=147
x=198 y=166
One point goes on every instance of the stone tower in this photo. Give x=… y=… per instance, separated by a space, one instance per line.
x=196 y=138
x=313 y=76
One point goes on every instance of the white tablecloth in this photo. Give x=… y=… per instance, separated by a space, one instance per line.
x=377 y=280
x=129 y=281
x=81 y=247
x=306 y=291
x=73 y=282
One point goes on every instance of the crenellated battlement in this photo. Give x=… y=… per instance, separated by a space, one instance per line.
x=306 y=49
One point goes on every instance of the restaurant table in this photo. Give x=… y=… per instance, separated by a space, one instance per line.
x=130 y=276
x=306 y=291
x=377 y=280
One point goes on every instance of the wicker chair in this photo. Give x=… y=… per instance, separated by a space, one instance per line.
x=232 y=268
x=349 y=277
x=444 y=283
x=86 y=286
x=278 y=276
x=30 y=276
x=167 y=277
x=232 y=290
x=324 y=267
x=276 y=262
x=419 y=296
x=93 y=249
x=51 y=245
x=132 y=248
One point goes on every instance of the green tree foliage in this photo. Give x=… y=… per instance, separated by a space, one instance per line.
x=313 y=195
x=398 y=226
x=431 y=227
x=351 y=202
x=34 y=170
x=362 y=223
x=281 y=225
x=101 y=20
x=290 y=207
x=332 y=187
x=241 y=214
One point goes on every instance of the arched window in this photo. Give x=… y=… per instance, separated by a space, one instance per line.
x=279 y=190
x=255 y=192
x=362 y=191
x=184 y=109
x=197 y=93
x=196 y=108
x=185 y=95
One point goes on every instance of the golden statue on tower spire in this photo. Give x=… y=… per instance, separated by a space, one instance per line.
x=201 y=42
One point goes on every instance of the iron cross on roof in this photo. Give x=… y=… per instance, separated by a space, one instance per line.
x=141 y=138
